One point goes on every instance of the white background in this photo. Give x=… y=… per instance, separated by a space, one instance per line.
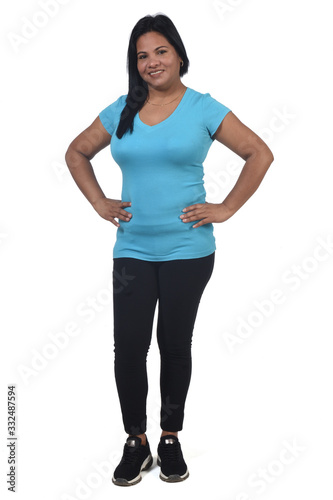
x=249 y=397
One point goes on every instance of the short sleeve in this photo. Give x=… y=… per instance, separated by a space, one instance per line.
x=213 y=113
x=110 y=115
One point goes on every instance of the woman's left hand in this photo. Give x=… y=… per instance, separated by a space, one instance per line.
x=206 y=213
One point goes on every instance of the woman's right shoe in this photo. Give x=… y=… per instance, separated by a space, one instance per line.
x=136 y=458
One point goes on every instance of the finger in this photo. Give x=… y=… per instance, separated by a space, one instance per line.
x=114 y=222
x=111 y=218
x=201 y=223
x=194 y=215
x=127 y=216
x=192 y=207
x=202 y=209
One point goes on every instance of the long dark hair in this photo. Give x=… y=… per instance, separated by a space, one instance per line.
x=137 y=87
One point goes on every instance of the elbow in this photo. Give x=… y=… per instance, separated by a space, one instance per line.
x=267 y=160
x=263 y=160
x=261 y=153
x=270 y=156
x=68 y=156
x=71 y=157
x=267 y=157
x=264 y=157
x=73 y=154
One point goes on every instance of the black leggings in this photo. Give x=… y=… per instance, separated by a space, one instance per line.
x=137 y=284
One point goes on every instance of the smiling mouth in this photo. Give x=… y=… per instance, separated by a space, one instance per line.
x=156 y=72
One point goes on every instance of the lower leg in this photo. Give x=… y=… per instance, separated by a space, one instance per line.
x=143 y=438
x=165 y=433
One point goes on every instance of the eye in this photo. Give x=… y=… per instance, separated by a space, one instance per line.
x=160 y=51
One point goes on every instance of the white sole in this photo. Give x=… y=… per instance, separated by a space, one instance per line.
x=173 y=478
x=124 y=482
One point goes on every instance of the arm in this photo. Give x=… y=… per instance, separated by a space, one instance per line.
x=258 y=157
x=79 y=153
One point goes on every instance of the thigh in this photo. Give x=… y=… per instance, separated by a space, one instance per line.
x=134 y=301
x=181 y=284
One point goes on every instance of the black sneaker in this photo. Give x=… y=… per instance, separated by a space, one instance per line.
x=170 y=459
x=136 y=457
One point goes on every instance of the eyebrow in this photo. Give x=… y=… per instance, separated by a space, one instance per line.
x=143 y=52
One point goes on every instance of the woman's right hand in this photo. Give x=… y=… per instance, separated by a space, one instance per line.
x=109 y=209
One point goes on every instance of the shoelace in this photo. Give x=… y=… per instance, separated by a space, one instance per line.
x=130 y=454
x=172 y=451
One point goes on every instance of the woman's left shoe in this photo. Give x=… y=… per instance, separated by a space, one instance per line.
x=170 y=459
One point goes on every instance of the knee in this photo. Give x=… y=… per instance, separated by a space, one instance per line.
x=130 y=354
x=175 y=351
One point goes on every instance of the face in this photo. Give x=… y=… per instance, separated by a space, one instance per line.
x=155 y=53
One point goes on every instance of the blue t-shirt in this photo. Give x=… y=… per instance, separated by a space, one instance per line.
x=162 y=170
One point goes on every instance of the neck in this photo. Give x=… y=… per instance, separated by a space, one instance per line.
x=160 y=95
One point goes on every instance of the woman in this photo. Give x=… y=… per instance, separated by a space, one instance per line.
x=161 y=132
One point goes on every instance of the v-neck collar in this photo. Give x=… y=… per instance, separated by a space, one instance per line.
x=166 y=120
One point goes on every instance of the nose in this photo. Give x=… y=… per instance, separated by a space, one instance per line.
x=153 y=63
